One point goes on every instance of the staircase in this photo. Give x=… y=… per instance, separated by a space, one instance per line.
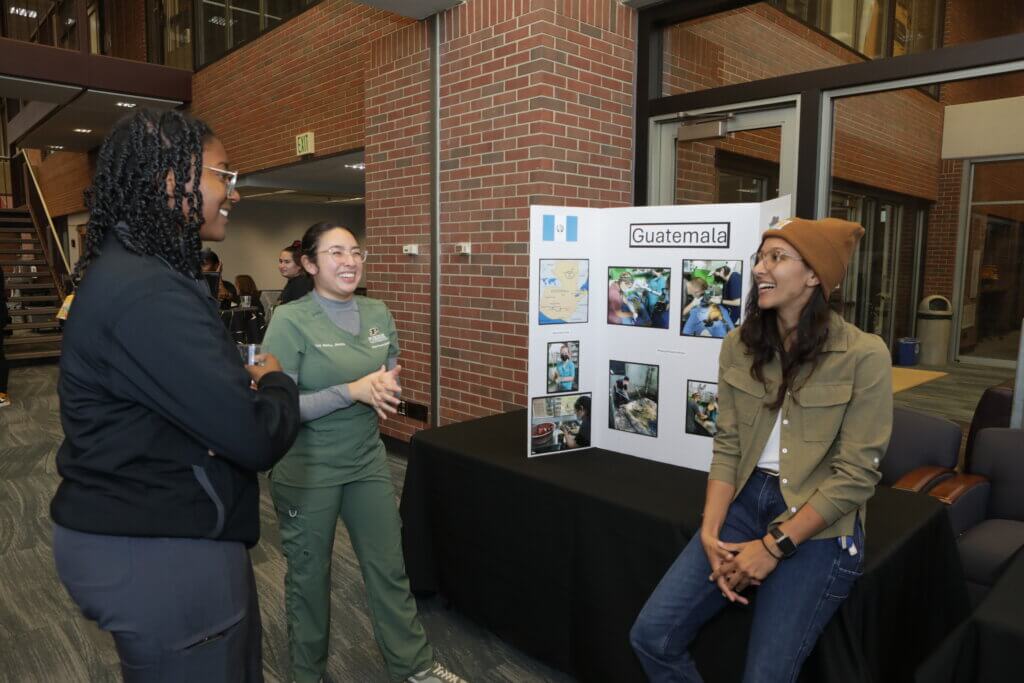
x=34 y=331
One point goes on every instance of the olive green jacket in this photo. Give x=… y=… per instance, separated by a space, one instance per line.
x=835 y=428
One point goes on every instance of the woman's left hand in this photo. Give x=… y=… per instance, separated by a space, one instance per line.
x=750 y=565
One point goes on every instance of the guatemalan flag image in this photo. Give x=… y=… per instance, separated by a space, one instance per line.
x=561 y=228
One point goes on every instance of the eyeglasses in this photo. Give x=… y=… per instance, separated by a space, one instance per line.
x=230 y=178
x=338 y=254
x=771 y=258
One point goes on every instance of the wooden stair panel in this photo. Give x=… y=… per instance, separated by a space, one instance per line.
x=19 y=339
x=52 y=324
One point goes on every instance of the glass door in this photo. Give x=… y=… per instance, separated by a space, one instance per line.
x=724 y=155
x=992 y=294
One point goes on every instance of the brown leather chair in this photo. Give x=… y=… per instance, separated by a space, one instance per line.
x=993 y=410
x=986 y=506
x=923 y=451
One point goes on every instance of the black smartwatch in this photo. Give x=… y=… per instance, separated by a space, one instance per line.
x=784 y=542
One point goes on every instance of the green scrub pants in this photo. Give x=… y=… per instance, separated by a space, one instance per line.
x=307 y=518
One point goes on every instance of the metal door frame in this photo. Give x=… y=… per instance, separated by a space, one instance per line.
x=781 y=112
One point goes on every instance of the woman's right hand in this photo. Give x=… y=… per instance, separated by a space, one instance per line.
x=265 y=362
x=380 y=390
x=716 y=556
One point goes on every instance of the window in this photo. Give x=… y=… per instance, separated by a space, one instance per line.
x=874 y=28
x=226 y=24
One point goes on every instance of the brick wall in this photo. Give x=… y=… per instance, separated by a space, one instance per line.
x=63 y=177
x=308 y=74
x=397 y=120
x=536 y=108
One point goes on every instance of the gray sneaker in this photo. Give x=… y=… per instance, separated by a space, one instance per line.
x=436 y=674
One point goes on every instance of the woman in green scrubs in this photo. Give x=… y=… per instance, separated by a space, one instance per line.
x=342 y=350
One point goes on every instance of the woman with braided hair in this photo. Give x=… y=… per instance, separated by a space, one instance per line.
x=165 y=429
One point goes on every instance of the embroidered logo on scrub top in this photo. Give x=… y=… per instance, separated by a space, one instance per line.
x=375 y=338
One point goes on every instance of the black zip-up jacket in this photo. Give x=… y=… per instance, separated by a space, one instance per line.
x=163 y=434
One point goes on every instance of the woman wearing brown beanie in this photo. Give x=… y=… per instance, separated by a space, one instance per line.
x=805 y=412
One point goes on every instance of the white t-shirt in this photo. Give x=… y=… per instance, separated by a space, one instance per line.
x=770 y=455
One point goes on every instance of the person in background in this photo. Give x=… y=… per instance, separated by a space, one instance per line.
x=289 y=264
x=566 y=370
x=620 y=310
x=5 y=318
x=164 y=429
x=227 y=295
x=342 y=350
x=620 y=396
x=732 y=291
x=804 y=413
x=581 y=439
x=246 y=286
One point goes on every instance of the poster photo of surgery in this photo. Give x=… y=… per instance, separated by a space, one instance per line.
x=701 y=408
x=639 y=297
x=713 y=298
x=563 y=366
x=633 y=397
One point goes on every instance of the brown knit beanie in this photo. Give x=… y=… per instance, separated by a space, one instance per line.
x=826 y=245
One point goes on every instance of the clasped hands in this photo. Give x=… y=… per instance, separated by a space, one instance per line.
x=380 y=390
x=735 y=566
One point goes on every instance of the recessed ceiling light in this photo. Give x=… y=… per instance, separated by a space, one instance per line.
x=126 y=105
x=24 y=12
x=55 y=147
x=358 y=167
x=83 y=130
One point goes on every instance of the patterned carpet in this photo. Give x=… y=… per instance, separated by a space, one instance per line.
x=44 y=639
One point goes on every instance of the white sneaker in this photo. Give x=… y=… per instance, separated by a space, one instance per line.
x=436 y=674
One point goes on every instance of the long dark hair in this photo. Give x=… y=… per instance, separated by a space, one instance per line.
x=129 y=190
x=760 y=334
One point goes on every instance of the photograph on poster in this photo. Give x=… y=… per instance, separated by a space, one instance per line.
x=713 y=297
x=639 y=297
x=633 y=397
x=701 y=408
x=560 y=423
x=564 y=291
x=563 y=366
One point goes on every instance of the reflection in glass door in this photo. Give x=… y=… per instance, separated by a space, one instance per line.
x=992 y=298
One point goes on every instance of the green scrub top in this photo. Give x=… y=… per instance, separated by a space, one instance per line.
x=345 y=445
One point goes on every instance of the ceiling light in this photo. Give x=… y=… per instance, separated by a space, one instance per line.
x=55 y=147
x=346 y=199
x=358 y=167
x=24 y=12
x=83 y=130
x=126 y=105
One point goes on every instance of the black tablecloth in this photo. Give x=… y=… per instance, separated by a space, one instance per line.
x=987 y=647
x=558 y=554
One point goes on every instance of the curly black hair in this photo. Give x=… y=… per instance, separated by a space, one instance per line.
x=129 y=192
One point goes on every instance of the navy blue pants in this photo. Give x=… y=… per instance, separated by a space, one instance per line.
x=179 y=609
x=791 y=607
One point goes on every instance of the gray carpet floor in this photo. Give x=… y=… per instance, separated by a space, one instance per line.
x=44 y=639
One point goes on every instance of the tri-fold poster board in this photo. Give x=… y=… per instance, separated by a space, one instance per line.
x=628 y=307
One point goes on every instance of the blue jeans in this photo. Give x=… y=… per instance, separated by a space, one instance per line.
x=791 y=607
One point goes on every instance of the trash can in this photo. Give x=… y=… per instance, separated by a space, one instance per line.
x=934 y=324
x=908 y=351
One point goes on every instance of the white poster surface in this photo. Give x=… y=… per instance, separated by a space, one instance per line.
x=628 y=308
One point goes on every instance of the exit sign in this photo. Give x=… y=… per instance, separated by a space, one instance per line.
x=305 y=144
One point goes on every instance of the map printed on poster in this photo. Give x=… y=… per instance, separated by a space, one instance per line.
x=564 y=291
x=628 y=310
